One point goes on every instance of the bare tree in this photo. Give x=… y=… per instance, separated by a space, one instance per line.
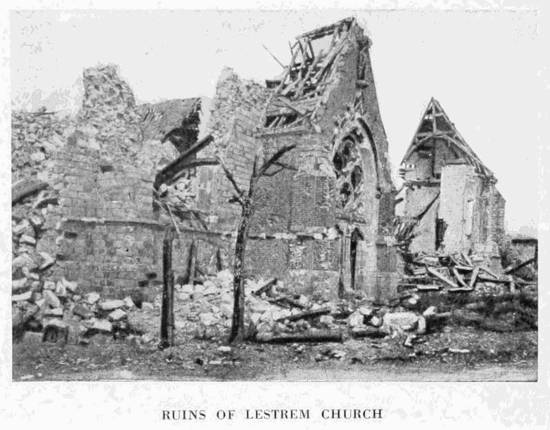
x=246 y=198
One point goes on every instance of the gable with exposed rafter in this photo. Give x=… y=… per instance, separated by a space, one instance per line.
x=436 y=124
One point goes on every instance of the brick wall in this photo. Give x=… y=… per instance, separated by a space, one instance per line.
x=103 y=231
x=235 y=113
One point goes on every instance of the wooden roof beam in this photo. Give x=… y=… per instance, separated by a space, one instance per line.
x=181 y=163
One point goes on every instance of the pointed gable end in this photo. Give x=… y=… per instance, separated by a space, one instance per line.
x=436 y=128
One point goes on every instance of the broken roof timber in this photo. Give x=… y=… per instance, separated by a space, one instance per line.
x=327 y=29
x=451 y=135
x=173 y=170
x=297 y=93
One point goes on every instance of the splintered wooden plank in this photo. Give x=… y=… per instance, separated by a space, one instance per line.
x=310 y=71
x=291 y=106
x=466 y=259
x=287 y=73
x=441 y=277
x=327 y=29
x=460 y=290
x=306 y=314
x=489 y=272
x=421 y=287
x=515 y=268
x=459 y=278
x=473 y=279
x=323 y=336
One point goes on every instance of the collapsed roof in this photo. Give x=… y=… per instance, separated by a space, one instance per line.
x=174 y=120
x=436 y=124
x=298 y=91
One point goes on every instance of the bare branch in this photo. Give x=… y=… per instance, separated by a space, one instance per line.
x=255 y=165
x=275 y=158
x=236 y=199
x=199 y=219
x=280 y=169
x=231 y=178
x=274 y=57
x=254 y=176
x=285 y=166
x=173 y=219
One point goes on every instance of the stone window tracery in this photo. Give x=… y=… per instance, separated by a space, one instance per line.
x=347 y=164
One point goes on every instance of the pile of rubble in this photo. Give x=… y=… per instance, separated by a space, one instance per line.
x=31 y=233
x=43 y=301
x=35 y=137
x=205 y=310
x=458 y=273
x=60 y=314
x=271 y=315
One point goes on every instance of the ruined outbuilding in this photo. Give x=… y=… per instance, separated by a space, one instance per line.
x=449 y=193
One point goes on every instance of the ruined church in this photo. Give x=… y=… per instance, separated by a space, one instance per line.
x=323 y=224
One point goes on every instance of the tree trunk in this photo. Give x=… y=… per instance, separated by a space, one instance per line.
x=167 y=315
x=237 y=324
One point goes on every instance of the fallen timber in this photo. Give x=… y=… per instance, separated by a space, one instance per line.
x=325 y=336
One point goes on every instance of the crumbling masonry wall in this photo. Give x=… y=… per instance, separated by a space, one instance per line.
x=307 y=234
x=473 y=211
x=450 y=194
x=418 y=198
x=235 y=113
x=104 y=234
x=299 y=234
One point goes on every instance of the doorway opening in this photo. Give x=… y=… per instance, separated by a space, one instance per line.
x=356 y=236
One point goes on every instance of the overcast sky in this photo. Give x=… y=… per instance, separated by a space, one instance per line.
x=484 y=67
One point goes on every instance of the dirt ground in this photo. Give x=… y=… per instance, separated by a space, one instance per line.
x=465 y=354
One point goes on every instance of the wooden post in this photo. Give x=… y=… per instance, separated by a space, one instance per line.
x=341 y=262
x=192 y=268
x=167 y=314
x=219 y=260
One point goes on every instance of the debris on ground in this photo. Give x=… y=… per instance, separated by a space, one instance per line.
x=436 y=291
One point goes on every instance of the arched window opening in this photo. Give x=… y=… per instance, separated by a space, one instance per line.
x=345 y=194
x=356 y=177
